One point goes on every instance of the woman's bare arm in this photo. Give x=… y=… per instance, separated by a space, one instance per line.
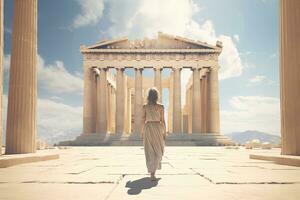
x=143 y=122
x=162 y=114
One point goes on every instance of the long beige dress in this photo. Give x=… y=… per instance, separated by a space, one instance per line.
x=153 y=136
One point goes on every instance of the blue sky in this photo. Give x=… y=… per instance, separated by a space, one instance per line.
x=249 y=75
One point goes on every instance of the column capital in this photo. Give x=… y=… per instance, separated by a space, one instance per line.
x=195 y=68
x=203 y=72
x=103 y=69
x=175 y=68
x=158 y=68
x=138 y=68
x=120 y=68
x=95 y=70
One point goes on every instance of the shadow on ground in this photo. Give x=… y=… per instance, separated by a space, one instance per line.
x=136 y=186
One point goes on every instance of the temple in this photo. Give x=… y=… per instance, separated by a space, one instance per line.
x=113 y=101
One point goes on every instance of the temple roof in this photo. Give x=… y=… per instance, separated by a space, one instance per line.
x=163 y=41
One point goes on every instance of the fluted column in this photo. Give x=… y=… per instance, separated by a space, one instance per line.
x=138 y=100
x=109 y=104
x=129 y=110
x=120 y=101
x=170 y=109
x=157 y=81
x=22 y=94
x=101 y=125
x=126 y=97
x=213 y=113
x=203 y=89
x=113 y=110
x=290 y=76
x=89 y=99
x=1 y=68
x=196 y=103
x=190 y=109
x=177 y=116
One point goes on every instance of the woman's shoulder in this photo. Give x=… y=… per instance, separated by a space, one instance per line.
x=160 y=104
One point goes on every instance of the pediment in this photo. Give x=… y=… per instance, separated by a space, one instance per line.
x=163 y=41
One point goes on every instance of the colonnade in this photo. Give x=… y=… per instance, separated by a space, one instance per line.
x=202 y=102
x=205 y=100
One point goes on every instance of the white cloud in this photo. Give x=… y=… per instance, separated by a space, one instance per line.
x=252 y=113
x=6 y=62
x=57 y=119
x=259 y=79
x=54 y=77
x=147 y=17
x=91 y=13
x=144 y=18
x=54 y=120
x=237 y=37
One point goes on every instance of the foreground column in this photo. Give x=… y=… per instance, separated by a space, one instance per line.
x=196 y=102
x=101 y=125
x=1 y=68
x=138 y=101
x=213 y=113
x=177 y=119
x=22 y=94
x=290 y=76
x=157 y=82
x=120 y=101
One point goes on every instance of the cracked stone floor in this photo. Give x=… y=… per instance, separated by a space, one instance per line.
x=120 y=173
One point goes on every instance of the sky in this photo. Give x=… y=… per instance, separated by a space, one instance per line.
x=248 y=78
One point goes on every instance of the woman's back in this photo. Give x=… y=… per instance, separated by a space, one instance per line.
x=152 y=112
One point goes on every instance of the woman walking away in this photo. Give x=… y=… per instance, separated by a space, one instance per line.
x=153 y=132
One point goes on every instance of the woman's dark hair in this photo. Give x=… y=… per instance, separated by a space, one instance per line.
x=152 y=96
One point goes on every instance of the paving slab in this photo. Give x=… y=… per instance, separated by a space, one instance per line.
x=121 y=173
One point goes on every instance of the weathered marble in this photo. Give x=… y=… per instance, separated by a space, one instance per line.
x=1 y=67
x=22 y=93
x=290 y=76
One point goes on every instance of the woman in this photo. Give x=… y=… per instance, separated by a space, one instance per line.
x=153 y=132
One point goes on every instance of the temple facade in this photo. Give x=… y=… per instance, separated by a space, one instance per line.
x=113 y=101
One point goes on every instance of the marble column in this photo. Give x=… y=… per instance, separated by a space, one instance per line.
x=177 y=115
x=113 y=110
x=138 y=100
x=120 y=101
x=126 y=97
x=203 y=90
x=108 y=105
x=213 y=112
x=190 y=109
x=89 y=99
x=196 y=103
x=290 y=76
x=1 y=68
x=157 y=82
x=170 y=109
x=129 y=130
x=22 y=93
x=101 y=125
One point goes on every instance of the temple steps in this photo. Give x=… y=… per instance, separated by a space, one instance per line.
x=173 y=139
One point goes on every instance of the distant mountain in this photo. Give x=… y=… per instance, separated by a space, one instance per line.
x=243 y=137
x=52 y=136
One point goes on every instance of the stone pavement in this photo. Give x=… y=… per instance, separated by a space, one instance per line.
x=120 y=173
